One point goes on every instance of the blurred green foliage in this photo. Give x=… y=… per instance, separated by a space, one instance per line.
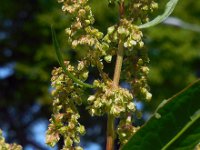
x=25 y=42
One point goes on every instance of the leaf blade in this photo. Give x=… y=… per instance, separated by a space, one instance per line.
x=194 y=118
x=175 y=115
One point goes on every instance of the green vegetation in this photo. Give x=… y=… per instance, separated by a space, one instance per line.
x=26 y=49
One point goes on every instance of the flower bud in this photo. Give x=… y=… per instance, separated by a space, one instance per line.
x=108 y=58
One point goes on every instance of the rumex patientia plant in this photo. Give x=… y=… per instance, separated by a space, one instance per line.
x=123 y=40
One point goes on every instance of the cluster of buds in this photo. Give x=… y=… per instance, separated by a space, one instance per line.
x=109 y=100
x=139 y=83
x=138 y=10
x=128 y=32
x=62 y=84
x=71 y=6
x=6 y=146
x=65 y=124
x=66 y=95
x=81 y=32
x=82 y=35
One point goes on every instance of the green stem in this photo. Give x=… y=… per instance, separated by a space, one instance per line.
x=61 y=62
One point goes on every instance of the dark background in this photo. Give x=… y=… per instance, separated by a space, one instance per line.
x=27 y=58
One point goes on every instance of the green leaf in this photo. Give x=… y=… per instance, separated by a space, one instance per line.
x=175 y=124
x=61 y=61
x=168 y=10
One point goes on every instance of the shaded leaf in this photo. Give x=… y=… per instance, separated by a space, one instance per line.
x=175 y=124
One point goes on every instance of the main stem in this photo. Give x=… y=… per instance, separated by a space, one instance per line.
x=115 y=84
x=116 y=78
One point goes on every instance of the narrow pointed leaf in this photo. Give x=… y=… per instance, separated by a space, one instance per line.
x=174 y=126
x=168 y=10
x=61 y=62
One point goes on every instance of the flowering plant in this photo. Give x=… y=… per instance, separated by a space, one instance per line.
x=123 y=40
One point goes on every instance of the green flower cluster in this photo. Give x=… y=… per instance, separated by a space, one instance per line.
x=139 y=10
x=135 y=73
x=109 y=100
x=5 y=146
x=66 y=95
x=115 y=101
x=127 y=32
x=82 y=35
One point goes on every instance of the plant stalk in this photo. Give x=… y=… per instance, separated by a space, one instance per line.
x=118 y=64
x=110 y=133
x=115 y=84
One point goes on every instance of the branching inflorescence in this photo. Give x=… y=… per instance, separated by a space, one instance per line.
x=124 y=40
